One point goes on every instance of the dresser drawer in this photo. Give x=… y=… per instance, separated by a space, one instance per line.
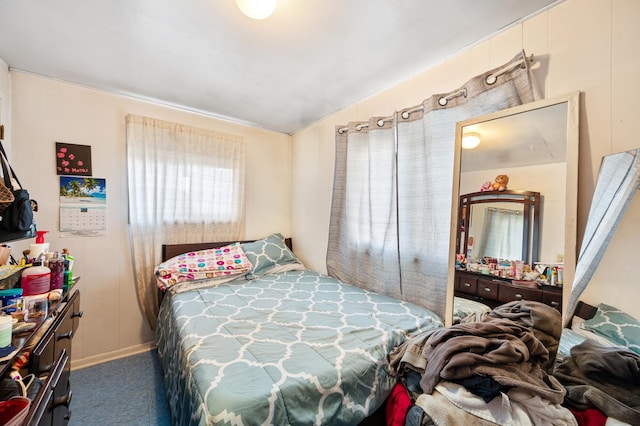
x=552 y=298
x=56 y=339
x=61 y=387
x=488 y=289
x=43 y=355
x=51 y=405
x=466 y=283
x=510 y=292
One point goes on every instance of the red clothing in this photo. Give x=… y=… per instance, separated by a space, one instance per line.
x=398 y=405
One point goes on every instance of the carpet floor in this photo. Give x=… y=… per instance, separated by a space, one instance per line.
x=127 y=391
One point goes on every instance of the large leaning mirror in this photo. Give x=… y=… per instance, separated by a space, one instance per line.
x=514 y=208
x=607 y=254
x=602 y=318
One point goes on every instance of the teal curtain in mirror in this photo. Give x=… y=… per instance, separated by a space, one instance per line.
x=393 y=182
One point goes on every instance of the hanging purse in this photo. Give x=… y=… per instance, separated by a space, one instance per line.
x=6 y=197
x=17 y=216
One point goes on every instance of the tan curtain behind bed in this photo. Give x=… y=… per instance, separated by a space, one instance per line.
x=186 y=185
x=391 y=206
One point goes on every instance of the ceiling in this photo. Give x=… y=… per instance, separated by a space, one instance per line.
x=308 y=60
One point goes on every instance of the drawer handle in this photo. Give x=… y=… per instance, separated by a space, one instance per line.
x=77 y=314
x=518 y=296
x=45 y=369
x=467 y=284
x=63 y=400
x=555 y=304
x=67 y=335
x=487 y=289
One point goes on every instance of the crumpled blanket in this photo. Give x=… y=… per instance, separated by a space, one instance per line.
x=544 y=321
x=454 y=352
x=607 y=378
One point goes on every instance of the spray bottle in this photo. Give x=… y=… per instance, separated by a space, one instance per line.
x=40 y=246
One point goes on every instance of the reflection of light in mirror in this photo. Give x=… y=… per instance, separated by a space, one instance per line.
x=470 y=140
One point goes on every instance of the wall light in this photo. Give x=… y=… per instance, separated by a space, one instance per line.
x=257 y=9
x=470 y=140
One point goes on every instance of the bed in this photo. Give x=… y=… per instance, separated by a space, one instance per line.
x=467 y=310
x=278 y=343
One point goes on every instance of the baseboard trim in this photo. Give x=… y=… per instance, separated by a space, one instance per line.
x=110 y=356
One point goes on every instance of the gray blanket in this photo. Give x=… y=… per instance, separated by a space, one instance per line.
x=544 y=321
x=602 y=377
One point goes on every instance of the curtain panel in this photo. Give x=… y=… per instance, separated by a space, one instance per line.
x=391 y=208
x=186 y=185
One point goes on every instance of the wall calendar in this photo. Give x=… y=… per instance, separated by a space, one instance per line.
x=83 y=206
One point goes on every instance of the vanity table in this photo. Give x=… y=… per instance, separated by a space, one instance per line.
x=494 y=291
x=49 y=359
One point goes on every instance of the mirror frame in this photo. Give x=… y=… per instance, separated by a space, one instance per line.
x=530 y=202
x=571 y=189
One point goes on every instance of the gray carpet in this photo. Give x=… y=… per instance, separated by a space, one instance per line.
x=127 y=391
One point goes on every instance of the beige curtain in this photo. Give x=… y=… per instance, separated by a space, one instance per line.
x=185 y=185
x=391 y=205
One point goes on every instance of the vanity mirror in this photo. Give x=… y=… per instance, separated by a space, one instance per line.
x=499 y=224
x=536 y=146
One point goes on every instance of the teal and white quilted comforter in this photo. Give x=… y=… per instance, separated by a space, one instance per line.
x=294 y=348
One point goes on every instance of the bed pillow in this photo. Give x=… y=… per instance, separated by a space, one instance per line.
x=213 y=263
x=270 y=255
x=577 y=326
x=616 y=325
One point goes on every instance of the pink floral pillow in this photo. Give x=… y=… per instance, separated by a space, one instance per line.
x=223 y=262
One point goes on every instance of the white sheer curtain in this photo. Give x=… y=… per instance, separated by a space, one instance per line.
x=185 y=185
x=501 y=235
x=405 y=199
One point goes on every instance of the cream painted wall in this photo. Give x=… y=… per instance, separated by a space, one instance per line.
x=47 y=111
x=5 y=100
x=585 y=45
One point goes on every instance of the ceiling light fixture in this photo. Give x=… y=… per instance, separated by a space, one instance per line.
x=257 y=9
x=470 y=140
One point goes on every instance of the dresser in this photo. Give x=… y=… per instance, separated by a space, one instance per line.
x=494 y=291
x=49 y=359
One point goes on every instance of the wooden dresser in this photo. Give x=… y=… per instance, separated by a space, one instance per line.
x=49 y=359
x=494 y=291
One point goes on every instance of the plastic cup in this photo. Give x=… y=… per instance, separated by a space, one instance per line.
x=6 y=322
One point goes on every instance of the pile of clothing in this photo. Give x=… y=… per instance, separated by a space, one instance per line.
x=601 y=382
x=495 y=371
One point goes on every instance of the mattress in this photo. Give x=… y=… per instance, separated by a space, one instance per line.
x=290 y=348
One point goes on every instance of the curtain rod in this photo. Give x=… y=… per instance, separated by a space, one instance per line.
x=490 y=79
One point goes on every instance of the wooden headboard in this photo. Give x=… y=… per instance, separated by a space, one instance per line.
x=172 y=250
x=584 y=310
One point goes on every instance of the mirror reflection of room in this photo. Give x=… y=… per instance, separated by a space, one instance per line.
x=512 y=210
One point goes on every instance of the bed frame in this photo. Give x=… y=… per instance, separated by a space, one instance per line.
x=172 y=250
x=584 y=310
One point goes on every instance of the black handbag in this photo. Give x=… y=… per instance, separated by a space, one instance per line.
x=17 y=216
